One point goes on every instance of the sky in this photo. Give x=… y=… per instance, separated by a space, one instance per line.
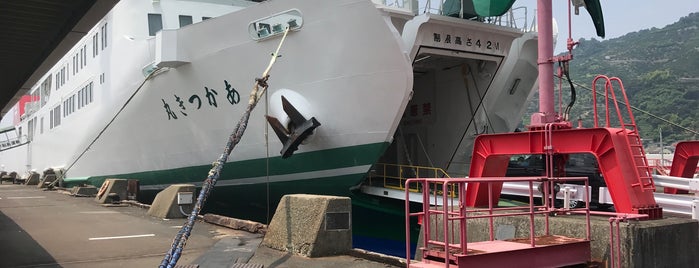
x=620 y=17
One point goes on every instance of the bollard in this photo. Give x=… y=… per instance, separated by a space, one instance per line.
x=566 y=197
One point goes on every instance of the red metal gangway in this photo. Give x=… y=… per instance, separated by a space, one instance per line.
x=684 y=163
x=445 y=228
x=618 y=150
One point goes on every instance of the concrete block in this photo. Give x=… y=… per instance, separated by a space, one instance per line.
x=46 y=180
x=109 y=186
x=669 y=242
x=33 y=179
x=236 y=224
x=311 y=225
x=11 y=177
x=88 y=191
x=165 y=205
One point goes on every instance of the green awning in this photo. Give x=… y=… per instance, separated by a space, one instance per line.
x=452 y=8
x=488 y=8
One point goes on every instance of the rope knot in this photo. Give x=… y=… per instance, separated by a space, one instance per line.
x=262 y=81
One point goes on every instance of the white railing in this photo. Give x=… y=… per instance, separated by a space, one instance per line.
x=682 y=204
x=516 y=17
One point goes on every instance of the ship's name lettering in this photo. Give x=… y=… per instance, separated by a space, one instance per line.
x=195 y=102
x=465 y=41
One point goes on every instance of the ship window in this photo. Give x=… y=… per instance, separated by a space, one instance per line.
x=41 y=126
x=45 y=90
x=57 y=121
x=84 y=51
x=155 y=23
x=30 y=129
x=83 y=93
x=58 y=80
x=69 y=106
x=85 y=96
x=103 y=31
x=185 y=20
x=205 y=18
x=63 y=75
x=55 y=117
x=95 y=45
x=275 y=24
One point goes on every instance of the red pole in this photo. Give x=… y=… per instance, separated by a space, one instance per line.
x=545 y=55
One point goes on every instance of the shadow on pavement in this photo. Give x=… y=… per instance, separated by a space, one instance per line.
x=19 y=249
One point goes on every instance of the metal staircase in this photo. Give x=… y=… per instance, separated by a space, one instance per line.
x=633 y=140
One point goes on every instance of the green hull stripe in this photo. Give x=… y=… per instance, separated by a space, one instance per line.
x=329 y=159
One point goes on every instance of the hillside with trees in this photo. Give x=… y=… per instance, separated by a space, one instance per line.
x=660 y=71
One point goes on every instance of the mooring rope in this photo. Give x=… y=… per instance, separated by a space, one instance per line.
x=178 y=244
x=99 y=135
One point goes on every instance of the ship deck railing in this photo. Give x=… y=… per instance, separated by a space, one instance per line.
x=394 y=176
x=516 y=17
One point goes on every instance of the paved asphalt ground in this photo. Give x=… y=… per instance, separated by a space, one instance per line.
x=51 y=229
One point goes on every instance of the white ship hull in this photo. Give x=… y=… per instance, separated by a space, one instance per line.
x=356 y=91
x=386 y=86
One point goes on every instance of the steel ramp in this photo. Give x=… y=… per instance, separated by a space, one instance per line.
x=550 y=251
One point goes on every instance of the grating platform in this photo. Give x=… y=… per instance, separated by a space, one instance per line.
x=550 y=251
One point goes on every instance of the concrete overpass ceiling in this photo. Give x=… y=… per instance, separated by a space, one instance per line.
x=35 y=34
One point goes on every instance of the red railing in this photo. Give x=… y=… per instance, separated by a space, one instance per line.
x=630 y=130
x=609 y=92
x=454 y=214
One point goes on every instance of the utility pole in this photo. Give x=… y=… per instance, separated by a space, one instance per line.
x=662 y=148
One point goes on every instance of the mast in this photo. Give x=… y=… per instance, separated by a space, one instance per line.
x=546 y=112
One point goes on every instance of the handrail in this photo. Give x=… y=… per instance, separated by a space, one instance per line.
x=609 y=90
x=454 y=213
x=509 y=19
x=393 y=176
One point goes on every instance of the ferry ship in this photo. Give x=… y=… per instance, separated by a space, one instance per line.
x=155 y=88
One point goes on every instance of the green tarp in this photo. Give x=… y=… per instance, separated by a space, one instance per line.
x=476 y=8
x=452 y=8
x=488 y=8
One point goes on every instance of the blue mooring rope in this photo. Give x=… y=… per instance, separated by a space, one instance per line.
x=173 y=255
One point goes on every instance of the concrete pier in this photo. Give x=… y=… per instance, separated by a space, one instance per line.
x=668 y=242
x=53 y=229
